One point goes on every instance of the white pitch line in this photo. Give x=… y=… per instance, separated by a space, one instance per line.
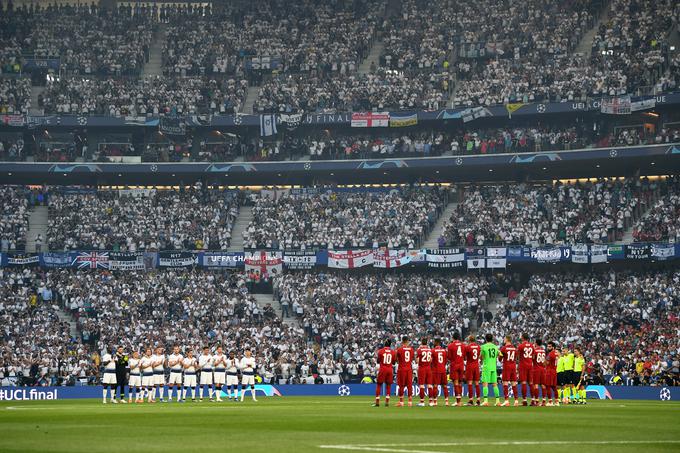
x=405 y=448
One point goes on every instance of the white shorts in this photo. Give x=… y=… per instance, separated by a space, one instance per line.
x=248 y=379
x=219 y=377
x=159 y=379
x=175 y=378
x=135 y=381
x=147 y=381
x=190 y=380
x=206 y=378
x=232 y=380
x=109 y=379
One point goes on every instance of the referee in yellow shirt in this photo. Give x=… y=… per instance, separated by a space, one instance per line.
x=579 y=377
x=568 y=374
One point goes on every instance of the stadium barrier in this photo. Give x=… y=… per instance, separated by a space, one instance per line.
x=341 y=390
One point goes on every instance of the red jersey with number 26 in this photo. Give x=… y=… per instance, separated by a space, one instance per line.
x=525 y=350
x=424 y=356
x=439 y=359
x=456 y=354
x=386 y=358
x=405 y=357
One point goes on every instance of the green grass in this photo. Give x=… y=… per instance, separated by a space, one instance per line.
x=298 y=425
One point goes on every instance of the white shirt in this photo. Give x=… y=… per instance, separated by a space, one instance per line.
x=146 y=364
x=108 y=362
x=248 y=364
x=189 y=364
x=158 y=358
x=205 y=361
x=219 y=360
x=134 y=366
x=232 y=365
x=177 y=360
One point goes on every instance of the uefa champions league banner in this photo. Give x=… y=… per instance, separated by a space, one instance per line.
x=18 y=394
x=221 y=259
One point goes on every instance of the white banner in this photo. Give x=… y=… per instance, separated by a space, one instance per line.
x=496 y=252
x=476 y=263
x=598 y=253
x=579 y=253
x=663 y=251
x=350 y=259
x=370 y=119
x=496 y=263
x=388 y=259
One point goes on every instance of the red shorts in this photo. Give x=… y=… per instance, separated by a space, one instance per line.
x=525 y=373
x=424 y=375
x=538 y=376
x=457 y=373
x=509 y=374
x=472 y=374
x=405 y=378
x=385 y=377
x=551 y=378
x=439 y=378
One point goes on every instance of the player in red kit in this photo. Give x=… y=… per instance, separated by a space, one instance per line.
x=538 y=374
x=439 y=355
x=551 y=374
x=456 y=356
x=509 y=355
x=424 y=356
x=472 y=356
x=386 y=359
x=405 y=356
x=525 y=354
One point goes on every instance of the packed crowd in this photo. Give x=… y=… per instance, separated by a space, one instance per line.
x=15 y=95
x=14 y=213
x=547 y=214
x=318 y=219
x=626 y=323
x=151 y=95
x=662 y=221
x=191 y=219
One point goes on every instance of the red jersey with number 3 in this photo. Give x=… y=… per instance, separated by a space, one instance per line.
x=424 y=356
x=525 y=351
x=439 y=360
x=456 y=354
x=472 y=354
x=405 y=357
x=386 y=358
x=509 y=353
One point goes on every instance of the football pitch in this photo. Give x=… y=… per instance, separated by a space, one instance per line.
x=334 y=424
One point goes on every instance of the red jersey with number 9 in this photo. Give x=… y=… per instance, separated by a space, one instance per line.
x=405 y=357
x=386 y=358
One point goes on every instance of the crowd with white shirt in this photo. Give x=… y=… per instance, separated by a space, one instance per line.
x=14 y=214
x=590 y=212
x=662 y=221
x=329 y=219
x=15 y=95
x=191 y=219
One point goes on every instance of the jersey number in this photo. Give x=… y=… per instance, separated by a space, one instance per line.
x=474 y=354
x=540 y=357
x=492 y=353
x=440 y=357
x=427 y=356
x=387 y=359
x=460 y=352
x=511 y=356
x=407 y=356
x=528 y=352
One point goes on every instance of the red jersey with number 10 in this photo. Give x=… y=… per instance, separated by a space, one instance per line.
x=525 y=350
x=424 y=356
x=386 y=358
x=439 y=359
x=472 y=355
x=405 y=357
x=456 y=353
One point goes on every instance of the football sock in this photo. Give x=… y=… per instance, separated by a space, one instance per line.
x=515 y=393
x=495 y=392
x=505 y=391
x=471 y=392
x=485 y=392
x=478 y=391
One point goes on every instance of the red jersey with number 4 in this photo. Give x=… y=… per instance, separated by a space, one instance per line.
x=439 y=359
x=405 y=357
x=525 y=351
x=539 y=357
x=386 y=358
x=424 y=356
x=456 y=354
x=472 y=354
x=509 y=353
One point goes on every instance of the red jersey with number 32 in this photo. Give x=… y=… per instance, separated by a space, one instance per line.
x=405 y=357
x=509 y=356
x=472 y=355
x=439 y=359
x=456 y=353
x=386 y=358
x=525 y=351
x=424 y=356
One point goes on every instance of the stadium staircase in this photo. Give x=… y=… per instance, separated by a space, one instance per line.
x=431 y=241
x=64 y=316
x=251 y=97
x=245 y=216
x=585 y=46
x=373 y=56
x=36 y=91
x=37 y=224
x=154 y=67
x=263 y=299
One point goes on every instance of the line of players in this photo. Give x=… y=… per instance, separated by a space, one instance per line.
x=211 y=371
x=540 y=371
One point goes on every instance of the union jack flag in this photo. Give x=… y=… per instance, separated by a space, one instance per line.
x=91 y=260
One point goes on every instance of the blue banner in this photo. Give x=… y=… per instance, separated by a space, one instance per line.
x=31 y=63
x=221 y=259
x=57 y=259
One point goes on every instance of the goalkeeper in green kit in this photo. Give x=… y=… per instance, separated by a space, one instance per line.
x=489 y=369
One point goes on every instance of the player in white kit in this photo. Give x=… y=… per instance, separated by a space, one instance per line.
x=248 y=366
x=175 y=364
x=205 y=363
x=220 y=368
x=135 y=382
x=232 y=376
x=159 y=374
x=109 y=377
x=146 y=364
x=189 y=364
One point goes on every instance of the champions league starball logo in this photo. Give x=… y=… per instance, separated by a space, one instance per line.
x=665 y=394
x=343 y=390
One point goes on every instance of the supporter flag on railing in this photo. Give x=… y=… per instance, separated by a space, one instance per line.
x=513 y=107
x=445 y=258
x=91 y=260
x=370 y=119
x=263 y=262
x=662 y=251
x=403 y=120
x=476 y=263
x=267 y=125
x=579 y=253
x=598 y=253
x=496 y=263
x=350 y=259
x=617 y=105
x=389 y=259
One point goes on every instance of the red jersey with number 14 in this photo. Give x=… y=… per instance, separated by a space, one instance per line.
x=439 y=360
x=405 y=357
x=386 y=358
x=509 y=353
